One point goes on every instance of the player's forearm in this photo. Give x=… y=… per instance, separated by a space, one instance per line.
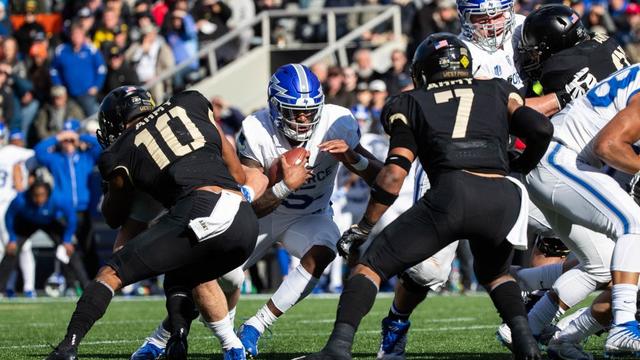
x=364 y=164
x=547 y=104
x=386 y=188
x=266 y=204
x=618 y=155
x=256 y=180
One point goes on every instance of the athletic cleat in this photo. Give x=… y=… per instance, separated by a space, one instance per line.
x=68 y=354
x=503 y=335
x=249 y=337
x=394 y=339
x=234 y=354
x=623 y=340
x=567 y=351
x=30 y=294
x=177 y=346
x=148 y=351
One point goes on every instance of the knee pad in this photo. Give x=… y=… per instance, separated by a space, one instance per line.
x=626 y=253
x=232 y=280
x=412 y=285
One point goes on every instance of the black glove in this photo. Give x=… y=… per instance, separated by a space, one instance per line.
x=353 y=238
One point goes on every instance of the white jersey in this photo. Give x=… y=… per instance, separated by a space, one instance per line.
x=9 y=156
x=263 y=142
x=501 y=63
x=582 y=119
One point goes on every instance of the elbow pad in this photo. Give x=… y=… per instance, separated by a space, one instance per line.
x=527 y=123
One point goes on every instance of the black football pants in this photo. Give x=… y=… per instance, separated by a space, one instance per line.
x=459 y=205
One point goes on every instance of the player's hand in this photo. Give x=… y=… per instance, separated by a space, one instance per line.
x=12 y=248
x=295 y=175
x=582 y=81
x=340 y=150
x=69 y=248
x=352 y=239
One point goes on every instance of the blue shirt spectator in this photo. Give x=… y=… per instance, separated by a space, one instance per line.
x=80 y=68
x=24 y=208
x=71 y=164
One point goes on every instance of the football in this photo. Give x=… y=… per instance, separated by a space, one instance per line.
x=294 y=156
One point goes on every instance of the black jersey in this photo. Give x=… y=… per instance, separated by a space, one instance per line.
x=596 y=58
x=460 y=124
x=173 y=150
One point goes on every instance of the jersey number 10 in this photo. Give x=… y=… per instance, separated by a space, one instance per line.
x=464 y=109
x=179 y=148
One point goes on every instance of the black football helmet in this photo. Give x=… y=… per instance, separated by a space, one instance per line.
x=548 y=30
x=441 y=56
x=122 y=105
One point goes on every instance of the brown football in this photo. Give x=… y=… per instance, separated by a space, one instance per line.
x=294 y=156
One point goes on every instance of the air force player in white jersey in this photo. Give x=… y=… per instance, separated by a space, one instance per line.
x=570 y=186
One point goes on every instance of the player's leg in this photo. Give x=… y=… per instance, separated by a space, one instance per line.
x=412 y=288
x=592 y=199
x=28 y=266
x=162 y=248
x=312 y=238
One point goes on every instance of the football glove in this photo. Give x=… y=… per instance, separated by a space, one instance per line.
x=353 y=238
x=581 y=83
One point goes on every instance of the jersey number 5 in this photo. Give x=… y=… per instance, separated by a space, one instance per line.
x=464 y=109
x=178 y=147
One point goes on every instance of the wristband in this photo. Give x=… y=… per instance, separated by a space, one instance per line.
x=362 y=163
x=248 y=193
x=280 y=190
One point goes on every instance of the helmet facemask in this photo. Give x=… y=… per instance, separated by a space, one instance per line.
x=286 y=118
x=490 y=26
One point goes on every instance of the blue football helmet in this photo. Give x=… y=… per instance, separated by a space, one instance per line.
x=488 y=36
x=295 y=90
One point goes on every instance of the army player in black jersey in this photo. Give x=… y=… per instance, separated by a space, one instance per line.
x=176 y=153
x=459 y=129
x=560 y=56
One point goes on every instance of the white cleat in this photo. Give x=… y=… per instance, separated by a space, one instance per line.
x=565 y=321
x=623 y=341
x=503 y=334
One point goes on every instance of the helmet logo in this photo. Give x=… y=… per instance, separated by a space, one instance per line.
x=464 y=61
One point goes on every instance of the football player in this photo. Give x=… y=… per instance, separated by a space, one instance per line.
x=296 y=210
x=175 y=153
x=12 y=182
x=571 y=186
x=456 y=105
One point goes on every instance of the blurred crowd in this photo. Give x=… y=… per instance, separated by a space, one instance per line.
x=59 y=58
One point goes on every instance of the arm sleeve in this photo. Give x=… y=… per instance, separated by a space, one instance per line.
x=536 y=131
x=43 y=155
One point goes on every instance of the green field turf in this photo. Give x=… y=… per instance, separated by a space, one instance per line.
x=445 y=327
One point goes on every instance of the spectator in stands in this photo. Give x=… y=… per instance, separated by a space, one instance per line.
x=364 y=66
x=211 y=19
x=398 y=71
x=151 y=56
x=5 y=23
x=80 y=68
x=242 y=11
x=52 y=116
x=598 y=18
x=633 y=46
x=108 y=28
x=159 y=10
x=11 y=57
x=446 y=18
x=321 y=70
x=38 y=71
x=335 y=93
x=28 y=32
x=6 y=99
x=122 y=10
x=70 y=158
x=422 y=24
x=182 y=36
x=141 y=18
x=228 y=116
x=39 y=209
x=349 y=85
x=363 y=116
x=119 y=70
x=86 y=18
x=378 y=99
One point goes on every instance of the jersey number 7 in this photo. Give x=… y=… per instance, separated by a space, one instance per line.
x=464 y=109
